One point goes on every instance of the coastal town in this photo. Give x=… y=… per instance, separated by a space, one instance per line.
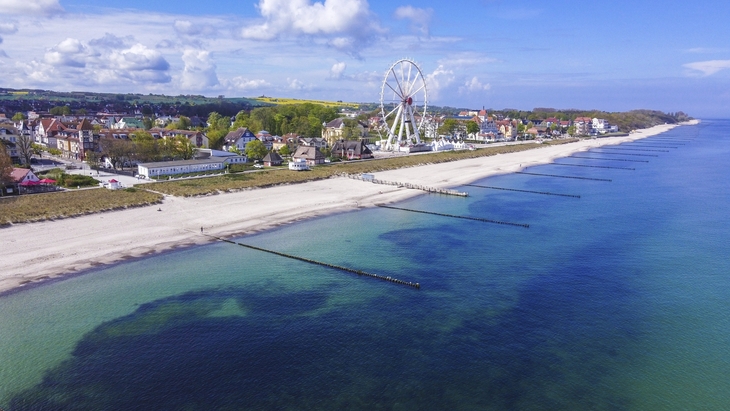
x=147 y=144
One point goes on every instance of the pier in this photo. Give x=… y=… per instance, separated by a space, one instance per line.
x=524 y=191
x=483 y=220
x=584 y=165
x=323 y=264
x=434 y=190
x=611 y=159
x=558 y=176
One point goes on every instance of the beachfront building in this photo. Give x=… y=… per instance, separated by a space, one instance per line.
x=310 y=155
x=205 y=161
x=351 y=150
x=583 y=125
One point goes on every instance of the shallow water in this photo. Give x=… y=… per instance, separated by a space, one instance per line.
x=616 y=300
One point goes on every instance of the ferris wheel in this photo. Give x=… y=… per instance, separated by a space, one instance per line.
x=403 y=99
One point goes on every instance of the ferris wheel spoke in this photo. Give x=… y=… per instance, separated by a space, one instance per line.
x=400 y=95
x=391 y=112
x=400 y=86
x=419 y=89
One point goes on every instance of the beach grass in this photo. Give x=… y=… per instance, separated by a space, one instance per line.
x=64 y=204
x=272 y=177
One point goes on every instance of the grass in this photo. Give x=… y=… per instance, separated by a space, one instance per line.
x=39 y=207
x=237 y=182
x=64 y=204
x=276 y=100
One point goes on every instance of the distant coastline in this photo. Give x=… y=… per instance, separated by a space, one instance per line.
x=43 y=251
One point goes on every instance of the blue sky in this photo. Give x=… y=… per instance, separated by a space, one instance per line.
x=607 y=55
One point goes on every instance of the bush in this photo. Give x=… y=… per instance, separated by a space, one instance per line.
x=76 y=180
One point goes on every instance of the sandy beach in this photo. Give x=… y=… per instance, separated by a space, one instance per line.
x=39 y=251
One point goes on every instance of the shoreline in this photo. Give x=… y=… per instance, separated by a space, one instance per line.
x=35 y=254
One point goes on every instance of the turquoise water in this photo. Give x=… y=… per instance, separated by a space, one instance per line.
x=616 y=300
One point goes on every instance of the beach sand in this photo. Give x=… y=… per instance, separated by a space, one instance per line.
x=40 y=251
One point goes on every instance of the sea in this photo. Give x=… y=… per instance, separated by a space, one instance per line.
x=608 y=290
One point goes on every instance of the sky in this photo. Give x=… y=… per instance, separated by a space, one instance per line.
x=567 y=54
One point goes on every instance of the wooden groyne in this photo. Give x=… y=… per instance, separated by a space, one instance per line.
x=558 y=176
x=433 y=190
x=483 y=220
x=584 y=165
x=628 y=154
x=612 y=159
x=652 y=146
x=323 y=264
x=523 y=191
x=633 y=149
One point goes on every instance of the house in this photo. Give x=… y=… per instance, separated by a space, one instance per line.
x=128 y=122
x=583 y=125
x=273 y=159
x=20 y=177
x=238 y=139
x=47 y=131
x=167 y=168
x=335 y=130
x=351 y=150
x=313 y=142
x=196 y=138
x=311 y=155
x=112 y=184
x=9 y=140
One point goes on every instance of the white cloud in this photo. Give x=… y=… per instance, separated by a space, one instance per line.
x=346 y=24
x=295 y=84
x=420 y=18
x=110 y=41
x=337 y=70
x=706 y=50
x=69 y=53
x=438 y=81
x=30 y=7
x=708 y=68
x=239 y=83
x=474 y=85
x=199 y=72
x=7 y=28
x=138 y=58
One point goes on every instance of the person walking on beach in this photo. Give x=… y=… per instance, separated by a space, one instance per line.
x=201 y=229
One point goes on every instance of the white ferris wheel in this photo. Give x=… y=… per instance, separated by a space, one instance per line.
x=403 y=99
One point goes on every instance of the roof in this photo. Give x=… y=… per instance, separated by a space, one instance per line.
x=18 y=174
x=357 y=147
x=273 y=157
x=308 y=152
x=234 y=135
x=210 y=160
x=336 y=123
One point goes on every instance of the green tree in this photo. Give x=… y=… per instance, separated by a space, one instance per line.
x=285 y=151
x=146 y=148
x=448 y=127
x=242 y=119
x=60 y=110
x=147 y=122
x=571 y=130
x=93 y=159
x=472 y=127
x=350 y=131
x=183 y=148
x=19 y=117
x=183 y=123
x=256 y=150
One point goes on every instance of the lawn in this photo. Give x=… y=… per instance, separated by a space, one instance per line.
x=63 y=204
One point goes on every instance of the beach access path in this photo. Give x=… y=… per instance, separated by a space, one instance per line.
x=35 y=252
